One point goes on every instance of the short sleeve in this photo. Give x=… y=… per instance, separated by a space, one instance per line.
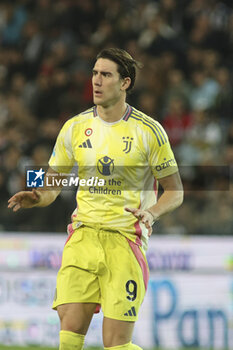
x=161 y=157
x=62 y=159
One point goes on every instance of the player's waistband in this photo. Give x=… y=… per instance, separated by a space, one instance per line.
x=97 y=227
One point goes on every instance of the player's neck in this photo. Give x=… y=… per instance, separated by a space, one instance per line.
x=112 y=113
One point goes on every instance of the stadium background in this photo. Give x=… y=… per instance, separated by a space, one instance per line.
x=46 y=56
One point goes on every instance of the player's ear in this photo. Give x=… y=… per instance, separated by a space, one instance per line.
x=126 y=83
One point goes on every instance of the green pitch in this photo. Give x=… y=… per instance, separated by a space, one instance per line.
x=4 y=347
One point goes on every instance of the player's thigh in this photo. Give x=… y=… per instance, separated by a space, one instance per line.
x=77 y=281
x=116 y=332
x=76 y=317
x=76 y=285
x=123 y=286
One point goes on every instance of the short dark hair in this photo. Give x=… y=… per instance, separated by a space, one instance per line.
x=126 y=64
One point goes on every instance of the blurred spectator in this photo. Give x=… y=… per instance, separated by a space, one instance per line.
x=102 y=35
x=13 y=18
x=177 y=121
x=210 y=62
x=177 y=87
x=224 y=98
x=203 y=141
x=204 y=90
x=33 y=45
x=229 y=147
x=148 y=103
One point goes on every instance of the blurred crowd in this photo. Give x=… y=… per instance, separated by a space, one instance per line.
x=47 y=51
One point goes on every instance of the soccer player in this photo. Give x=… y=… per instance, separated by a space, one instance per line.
x=104 y=257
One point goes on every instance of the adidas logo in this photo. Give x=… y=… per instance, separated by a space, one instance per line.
x=86 y=144
x=131 y=312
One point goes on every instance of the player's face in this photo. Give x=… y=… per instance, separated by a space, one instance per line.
x=108 y=87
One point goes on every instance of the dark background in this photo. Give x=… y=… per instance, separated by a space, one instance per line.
x=47 y=51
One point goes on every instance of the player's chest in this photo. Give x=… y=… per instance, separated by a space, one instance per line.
x=121 y=146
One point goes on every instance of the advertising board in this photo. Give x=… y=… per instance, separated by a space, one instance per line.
x=189 y=302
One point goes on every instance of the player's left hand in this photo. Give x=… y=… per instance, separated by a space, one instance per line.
x=144 y=216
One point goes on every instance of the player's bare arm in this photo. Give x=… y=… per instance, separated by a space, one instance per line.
x=36 y=197
x=171 y=199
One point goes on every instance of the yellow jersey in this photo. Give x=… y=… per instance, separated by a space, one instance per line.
x=122 y=161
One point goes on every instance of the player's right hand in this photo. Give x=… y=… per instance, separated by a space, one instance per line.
x=24 y=199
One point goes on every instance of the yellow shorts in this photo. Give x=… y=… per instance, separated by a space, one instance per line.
x=103 y=267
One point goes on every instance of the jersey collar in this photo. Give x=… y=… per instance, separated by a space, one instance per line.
x=125 y=116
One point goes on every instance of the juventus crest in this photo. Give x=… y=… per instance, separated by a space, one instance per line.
x=128 y=143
